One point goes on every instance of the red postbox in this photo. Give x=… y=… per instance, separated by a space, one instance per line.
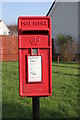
x=35 y=56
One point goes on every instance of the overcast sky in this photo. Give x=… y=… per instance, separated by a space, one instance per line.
x=12 y=10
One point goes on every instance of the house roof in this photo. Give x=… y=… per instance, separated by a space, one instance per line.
x=51 y=8
x=0 y=20
x=13 y=29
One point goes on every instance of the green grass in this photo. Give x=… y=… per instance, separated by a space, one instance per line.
x=62 y=103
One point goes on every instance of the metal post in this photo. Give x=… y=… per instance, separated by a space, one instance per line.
x=58 y=63
x=35 y=106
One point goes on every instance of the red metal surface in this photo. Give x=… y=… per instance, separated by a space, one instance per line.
x=57 y=63
x=35 y=32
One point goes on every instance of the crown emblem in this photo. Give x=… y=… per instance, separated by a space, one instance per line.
x=34 y=41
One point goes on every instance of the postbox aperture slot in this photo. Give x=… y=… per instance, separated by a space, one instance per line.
x=34 y=32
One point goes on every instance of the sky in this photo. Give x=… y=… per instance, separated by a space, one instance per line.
x=12 y=10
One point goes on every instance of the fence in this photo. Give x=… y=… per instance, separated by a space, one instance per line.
x=8 y=48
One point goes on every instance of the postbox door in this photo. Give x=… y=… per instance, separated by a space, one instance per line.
x=36 y=87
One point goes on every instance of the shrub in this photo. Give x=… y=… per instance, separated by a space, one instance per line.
x=62 y=39
x=68 y=47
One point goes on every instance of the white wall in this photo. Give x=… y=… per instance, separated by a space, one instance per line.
x=3 y=29
x=79 y=27
x=65 y=19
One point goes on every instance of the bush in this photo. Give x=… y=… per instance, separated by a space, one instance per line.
x=62 y=39
x=68 y=47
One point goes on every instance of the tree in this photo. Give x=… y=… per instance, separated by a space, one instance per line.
x=68 y=47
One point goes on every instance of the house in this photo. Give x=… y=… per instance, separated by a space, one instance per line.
x=13 y=29
x=65 y=20
x=4 y=30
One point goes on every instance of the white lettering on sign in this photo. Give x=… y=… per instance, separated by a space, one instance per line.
x=34 y=68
